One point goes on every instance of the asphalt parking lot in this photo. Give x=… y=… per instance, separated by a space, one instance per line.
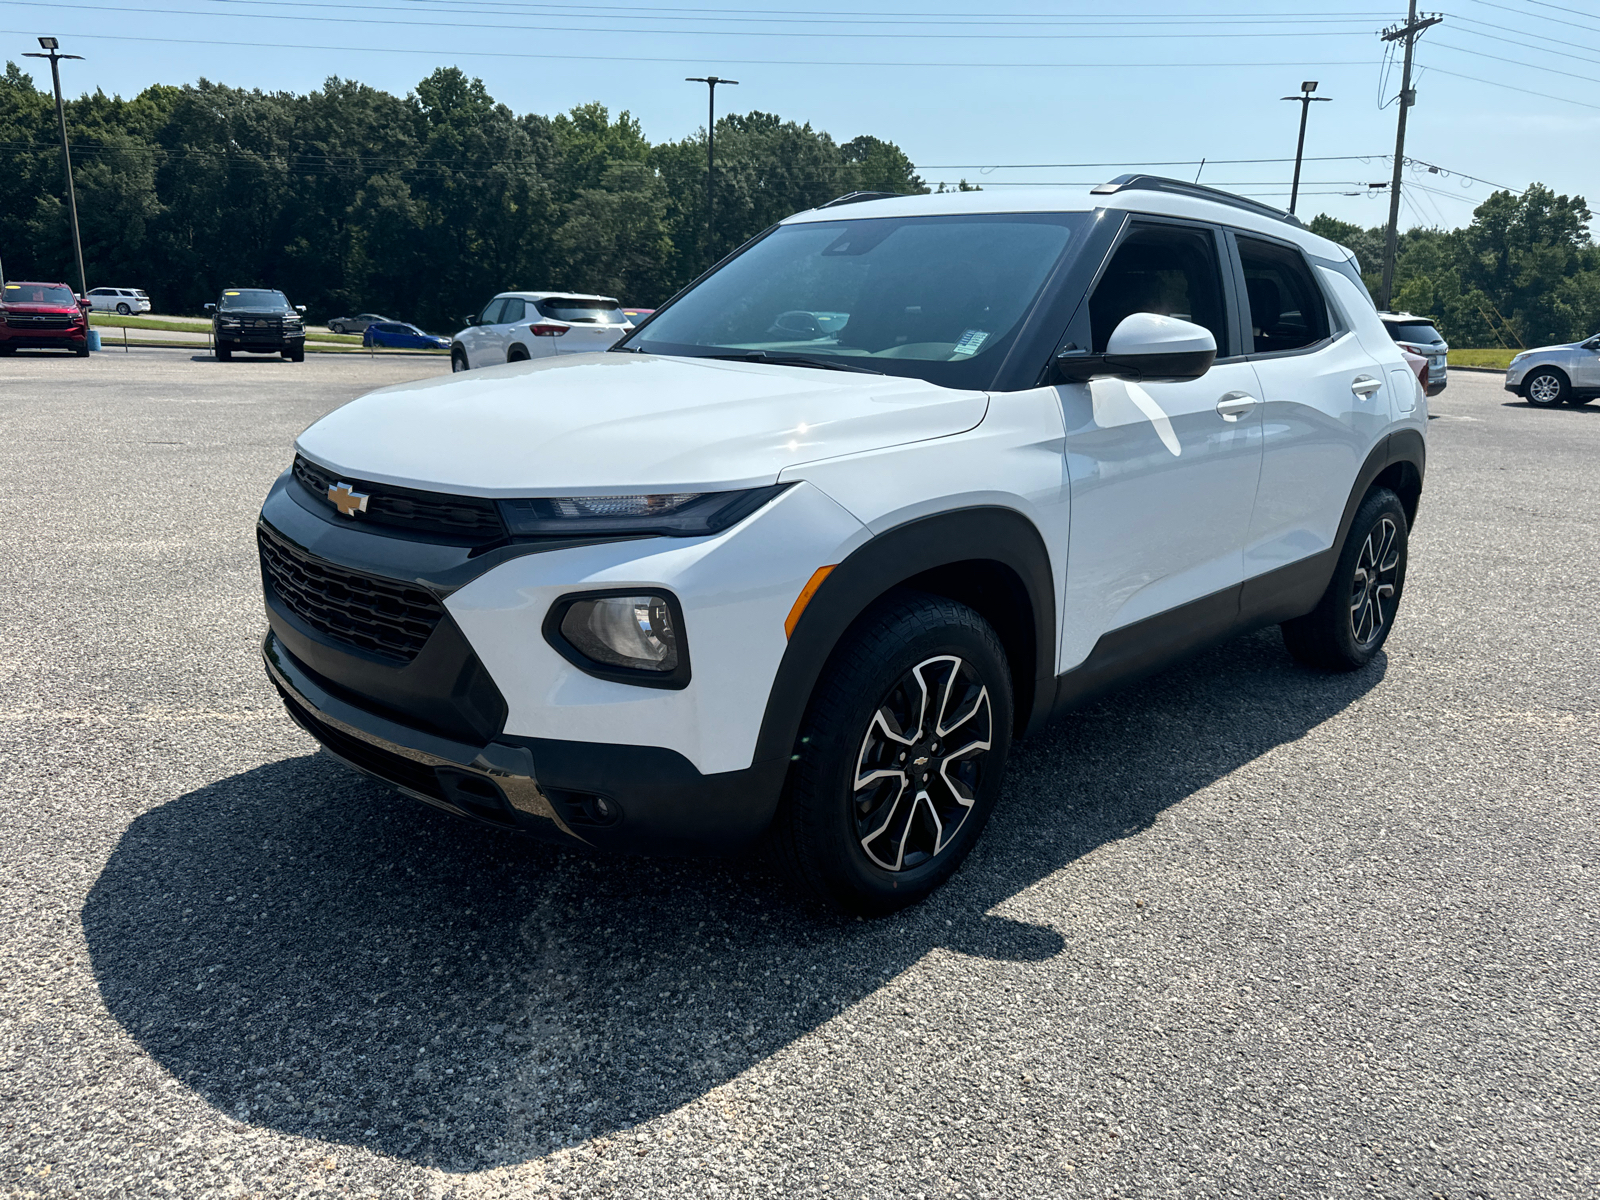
x=1241 y=930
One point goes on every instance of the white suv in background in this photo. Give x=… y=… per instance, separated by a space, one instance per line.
x=521 y=325
x=901 y=480
x=125 y=301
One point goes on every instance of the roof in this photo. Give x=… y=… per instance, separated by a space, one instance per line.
x=560 y=295
x=1254 y=218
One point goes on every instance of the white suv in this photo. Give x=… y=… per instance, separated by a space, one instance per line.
x=125 y=301
x=520 y=325
x=898 y=482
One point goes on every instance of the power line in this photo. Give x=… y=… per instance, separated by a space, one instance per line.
x=1515 y=62
x=1509 y=87
x=1539 y=36
x=831 y=35
x=757 y=62
x=1522 y=12
x=1029 y=18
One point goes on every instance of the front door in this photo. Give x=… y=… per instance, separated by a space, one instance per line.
x=1163 y=475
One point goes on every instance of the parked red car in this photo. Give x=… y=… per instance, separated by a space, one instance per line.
x=44 y=316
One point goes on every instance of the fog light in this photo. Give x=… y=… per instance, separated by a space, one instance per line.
x=633 y=632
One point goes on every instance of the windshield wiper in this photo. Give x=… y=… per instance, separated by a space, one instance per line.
x=793 y=360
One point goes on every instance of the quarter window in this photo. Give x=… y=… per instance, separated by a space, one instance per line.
x=1287 y=309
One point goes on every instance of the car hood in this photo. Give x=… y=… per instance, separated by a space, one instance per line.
x=42 y=309
x=257 y=312
x=618 y=423
x=1550 y=349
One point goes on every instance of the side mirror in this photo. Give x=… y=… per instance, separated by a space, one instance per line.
x=1144 y=348
x=470 y=319
x=85 y=304
x=211 y=308
x=300 y=308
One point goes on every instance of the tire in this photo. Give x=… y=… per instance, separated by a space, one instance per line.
x=296 y=355
x=335 y=327
x=877 y=847
x=83 y=350
x=1353 y=619
x=123 y=310
x=517 y=354
x=224 y=354
x=1547 y=388
x=458 y=361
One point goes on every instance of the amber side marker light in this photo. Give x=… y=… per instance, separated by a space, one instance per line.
x=804 y=599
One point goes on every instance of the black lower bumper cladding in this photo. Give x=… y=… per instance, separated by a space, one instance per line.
x=638 y=799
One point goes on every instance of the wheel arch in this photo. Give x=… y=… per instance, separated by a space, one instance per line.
x=990 y=558
x=1398 y=462
x=517 y=352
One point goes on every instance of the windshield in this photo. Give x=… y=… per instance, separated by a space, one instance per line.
x=581 y=312
x=40 y=293
x=1413 y=331
x=253 y=298
x=927 y=297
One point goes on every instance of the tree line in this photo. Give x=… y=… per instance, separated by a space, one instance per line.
x=1523 y=273
x=350 y=198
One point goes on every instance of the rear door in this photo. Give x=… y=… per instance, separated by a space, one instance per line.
x=1326 y=401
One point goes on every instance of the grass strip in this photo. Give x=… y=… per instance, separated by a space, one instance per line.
x=112 y=320
x=1497 y=359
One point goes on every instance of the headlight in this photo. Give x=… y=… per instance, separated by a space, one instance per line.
x=675 y=514
x=627 y=637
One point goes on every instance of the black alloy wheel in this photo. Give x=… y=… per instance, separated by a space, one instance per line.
x=1357 y=611
x=1547 y=388
x=900 y=756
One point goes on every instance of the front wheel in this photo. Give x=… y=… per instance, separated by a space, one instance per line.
x=296 y=355
x=224 y=354
x=458 y=360
x=1352 y=621
x=900 y=756
x=123 y=310
x=1547 y=388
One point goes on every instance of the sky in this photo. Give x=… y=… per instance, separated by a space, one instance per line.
x=1071 y=92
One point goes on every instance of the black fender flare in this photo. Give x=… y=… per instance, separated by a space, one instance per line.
x=513 y=348
x=986 y=535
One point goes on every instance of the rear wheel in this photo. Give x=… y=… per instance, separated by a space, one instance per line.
x=1352 y=621
x=123 y=310
x=1547 y=388
x=517 y=354
x=900 y=756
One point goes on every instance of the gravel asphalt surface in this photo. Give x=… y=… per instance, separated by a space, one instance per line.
x=1243 y=929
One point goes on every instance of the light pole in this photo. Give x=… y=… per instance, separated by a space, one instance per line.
x=1306 y=98
x=50 y=45
x=711 y=82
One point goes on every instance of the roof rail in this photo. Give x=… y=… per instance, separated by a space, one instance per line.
x=1197 y=191
x=858 y=197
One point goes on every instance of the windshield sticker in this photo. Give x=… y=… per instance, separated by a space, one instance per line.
x=970 y=341
x=230 y=293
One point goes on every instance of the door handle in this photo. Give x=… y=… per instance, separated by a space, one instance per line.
x=1366 y=386
x=1235 y=404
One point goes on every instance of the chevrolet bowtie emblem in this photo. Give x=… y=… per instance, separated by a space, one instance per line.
x=347 y=500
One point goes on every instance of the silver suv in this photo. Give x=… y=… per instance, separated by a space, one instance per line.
x=1552 y=375
x=1418 y=335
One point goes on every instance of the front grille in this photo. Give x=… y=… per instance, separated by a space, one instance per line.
x=32 y=321
x=386 y=764
x=381 y=616
x=470 y=520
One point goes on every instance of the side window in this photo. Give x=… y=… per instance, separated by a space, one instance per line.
x=514 y=310
x=1169 y=270
x=1287 y=309
x=491 y=312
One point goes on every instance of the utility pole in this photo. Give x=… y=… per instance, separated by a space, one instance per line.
x=1408 y=33
x=711 y=82
x=50 y=45
x=1306 y=98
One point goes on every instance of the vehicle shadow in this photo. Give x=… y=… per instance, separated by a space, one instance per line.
x=1591 y=407
x=316 y=954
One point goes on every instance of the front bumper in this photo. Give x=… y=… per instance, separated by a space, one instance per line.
x=65 y=339
x=261 y=342
x=657 y=803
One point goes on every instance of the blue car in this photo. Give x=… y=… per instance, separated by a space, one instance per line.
x=392 y=335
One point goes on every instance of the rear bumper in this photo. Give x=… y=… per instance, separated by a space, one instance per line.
x=656 y=801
